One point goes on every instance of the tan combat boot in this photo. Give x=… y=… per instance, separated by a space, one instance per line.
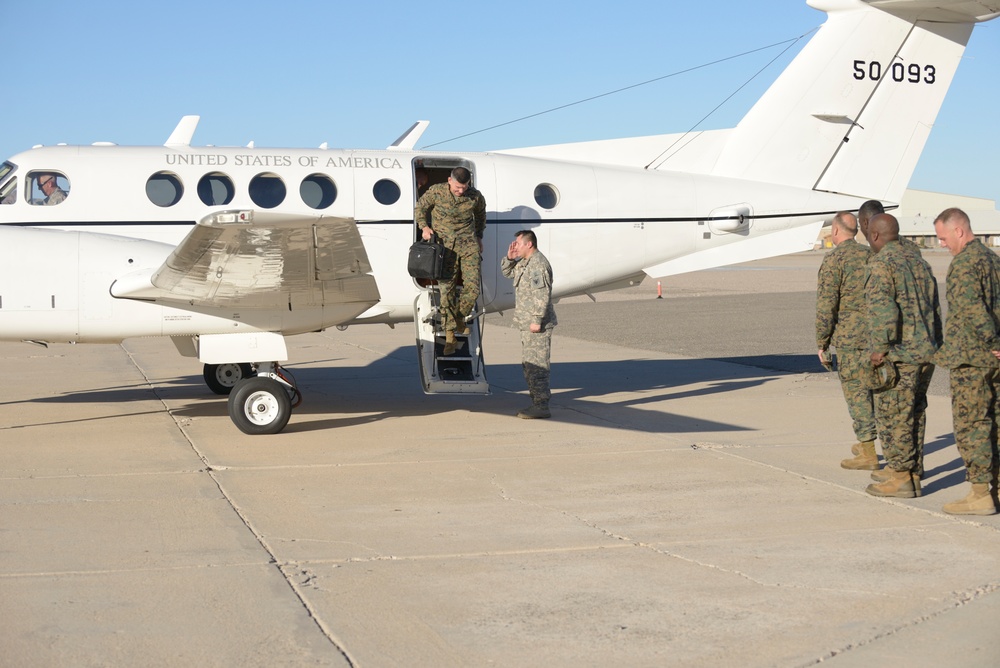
x=450 y=344
x=918 y=473
x=866 y=459
x=978 y=502
x=856 y=448
x=901 y=484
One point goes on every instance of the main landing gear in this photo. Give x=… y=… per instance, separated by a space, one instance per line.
x=259 y=403
x=221 y=378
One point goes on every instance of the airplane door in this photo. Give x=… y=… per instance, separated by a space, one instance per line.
x=429 y=171
x=485 y=182
x=462 y=371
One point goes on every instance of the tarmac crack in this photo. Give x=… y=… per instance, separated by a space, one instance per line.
x=289 y=574
x=962 y=599
x=899 y=503
x=632 y=541
x=494 y=481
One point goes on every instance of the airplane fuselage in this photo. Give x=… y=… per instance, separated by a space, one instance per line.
x=127 y=207
x=228 y=250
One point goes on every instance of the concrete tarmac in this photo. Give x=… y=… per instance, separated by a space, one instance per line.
x=683 y=507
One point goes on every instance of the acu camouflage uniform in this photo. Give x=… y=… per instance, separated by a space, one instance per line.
x=58 y=196
x=841 y=321
x=972 y=330
x=532 y=279
x=458 y=222
x=905 y=322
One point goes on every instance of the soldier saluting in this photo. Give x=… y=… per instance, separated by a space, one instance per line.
x=531 y=274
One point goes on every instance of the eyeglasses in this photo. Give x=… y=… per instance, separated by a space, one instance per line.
x=45 y=183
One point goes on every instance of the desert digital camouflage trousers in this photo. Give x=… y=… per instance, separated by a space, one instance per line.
x=859 y=399
x=536 y=350
x=974 y=411
x=461 y=258
x=901 y=413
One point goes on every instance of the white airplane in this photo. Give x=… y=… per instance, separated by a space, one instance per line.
x=229 y=250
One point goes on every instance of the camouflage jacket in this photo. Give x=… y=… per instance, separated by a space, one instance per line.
x=904 y=312
x=532 y=279
x=910 y=247
x=58 y=196
x=972 y=328
x=841 y=310
x=450 y=216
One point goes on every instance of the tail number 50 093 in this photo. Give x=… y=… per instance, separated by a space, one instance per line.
x=900 y=72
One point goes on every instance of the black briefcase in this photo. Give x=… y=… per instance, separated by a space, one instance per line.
x=426 y=259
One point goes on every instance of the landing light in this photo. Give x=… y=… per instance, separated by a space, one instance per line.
x=234 y=217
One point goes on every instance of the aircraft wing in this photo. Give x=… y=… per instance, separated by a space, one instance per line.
x=264 y=260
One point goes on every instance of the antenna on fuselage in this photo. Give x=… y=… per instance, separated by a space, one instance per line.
x=408 y=139
x=184 y=132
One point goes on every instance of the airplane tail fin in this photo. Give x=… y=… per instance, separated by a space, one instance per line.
x=853 y=110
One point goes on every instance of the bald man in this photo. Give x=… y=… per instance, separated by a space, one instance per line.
x=971 y=337
x=842 y=321
x=904 y=318
x=866 y=212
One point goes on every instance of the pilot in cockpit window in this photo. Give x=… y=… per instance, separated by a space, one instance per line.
x=49 y=186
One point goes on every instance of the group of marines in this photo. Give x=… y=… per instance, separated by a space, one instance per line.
x=878 y=306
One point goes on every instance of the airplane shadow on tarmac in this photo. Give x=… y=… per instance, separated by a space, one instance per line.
x=627 y=393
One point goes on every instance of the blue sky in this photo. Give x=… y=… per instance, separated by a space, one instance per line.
x=357 y=74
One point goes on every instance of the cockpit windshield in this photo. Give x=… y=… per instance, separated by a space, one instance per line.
x=8 y=186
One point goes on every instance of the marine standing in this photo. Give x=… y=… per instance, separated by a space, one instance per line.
x=971 y=337
x=842 y=321
x=905 y=327
x=866 y=212
x=531 y=274
x=456 y=212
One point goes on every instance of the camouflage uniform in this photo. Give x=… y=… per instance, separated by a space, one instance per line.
x=459 y=222
x=841 y=321
x=923 y=380
x=972 y=330
x=58 y=196
x=904 y=316
x=532 y=278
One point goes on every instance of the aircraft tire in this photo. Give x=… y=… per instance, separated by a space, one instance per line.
x=259 y=406
x=222 y=378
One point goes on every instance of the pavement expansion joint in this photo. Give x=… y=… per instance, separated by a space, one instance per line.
x=962 y=599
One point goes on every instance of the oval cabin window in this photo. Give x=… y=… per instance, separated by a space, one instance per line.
x=386 y=192
x=267 y=190
x=216 y=189
x=546 y=196
x=318 y=191
x=164 y=189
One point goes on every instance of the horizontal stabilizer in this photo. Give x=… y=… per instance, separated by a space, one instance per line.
x=794 y=240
